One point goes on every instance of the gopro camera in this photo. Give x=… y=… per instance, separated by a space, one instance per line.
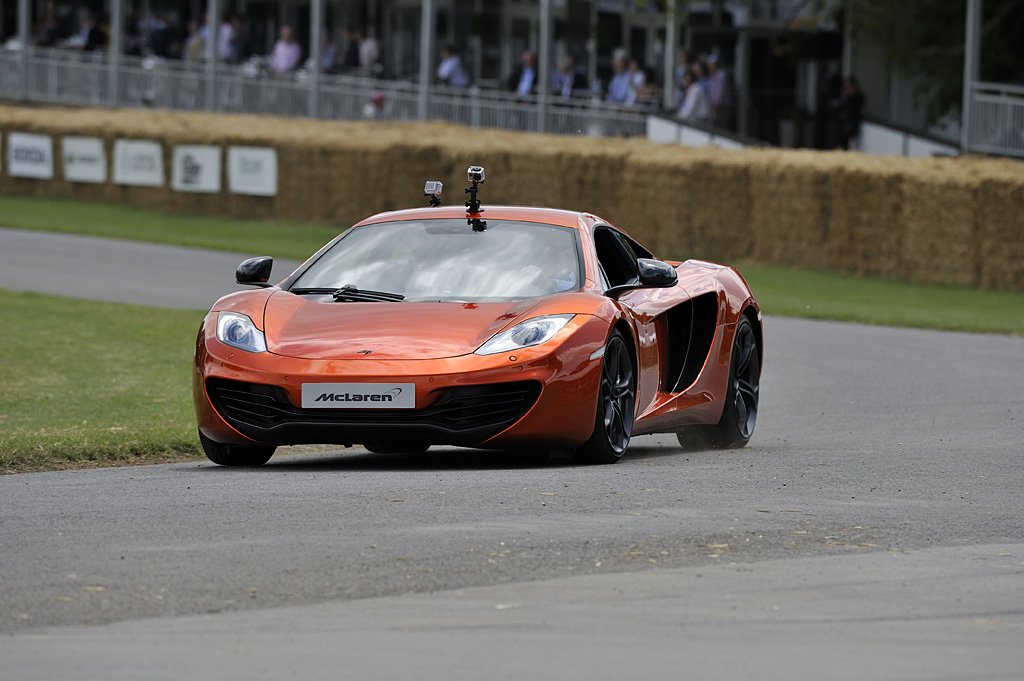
x=432 y=188
x=475 y=174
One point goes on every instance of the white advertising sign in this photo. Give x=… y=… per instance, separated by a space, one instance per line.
x=139 y=163
x=252 y=170
x=85 y=160
x=30 y=156
x=196 y=168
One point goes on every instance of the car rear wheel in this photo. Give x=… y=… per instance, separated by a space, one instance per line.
x=615 y=404
x=740 y=413
x=235 y=455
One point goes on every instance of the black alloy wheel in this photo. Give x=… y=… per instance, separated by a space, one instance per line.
x=739 y=413
x=615 y=404
x=235 y=455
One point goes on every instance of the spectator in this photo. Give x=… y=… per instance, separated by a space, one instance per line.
x=48 y=29
x=721 y=99
x=849 y=110
x=682 y=66
x=369 y=53
x=695 y=104
x=637 y=82
x=618 y=88
x=328 y=53
x=195 y=44
x=523 y=80
x=700 y=74
x=160 y=35
x=93 y=37
x=286 y=54
x=569 y=78
x=226 y=40
x=449 y=71
x=351 y=62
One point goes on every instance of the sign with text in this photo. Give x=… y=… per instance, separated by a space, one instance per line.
x=85 y=159
x=252 y=170
x=30 y=156
x=138 y=163
x=196 y=168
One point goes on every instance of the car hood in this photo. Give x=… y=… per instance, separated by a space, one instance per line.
x=310 y=329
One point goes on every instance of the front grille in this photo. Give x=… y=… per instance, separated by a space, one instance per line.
x=463 y=415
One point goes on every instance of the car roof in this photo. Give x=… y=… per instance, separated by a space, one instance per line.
x=551 y=216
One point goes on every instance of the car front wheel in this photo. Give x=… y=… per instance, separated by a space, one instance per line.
x=235 y=455
x=615 y=404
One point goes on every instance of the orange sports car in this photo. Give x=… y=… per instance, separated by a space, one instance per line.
x=492 y=327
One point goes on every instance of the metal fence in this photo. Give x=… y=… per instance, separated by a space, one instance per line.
x=89 y=79
x=997 y=119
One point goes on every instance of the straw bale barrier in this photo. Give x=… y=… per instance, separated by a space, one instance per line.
x=951 y=221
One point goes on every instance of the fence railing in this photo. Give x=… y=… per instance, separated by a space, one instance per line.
x=88 y=79
x=997 y=119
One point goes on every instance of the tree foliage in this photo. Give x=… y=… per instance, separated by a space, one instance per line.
x=924 y=41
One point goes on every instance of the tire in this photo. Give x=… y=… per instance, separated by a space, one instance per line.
x=616 y=402
x=235 y=455
x=740 y=412
x=378 y=448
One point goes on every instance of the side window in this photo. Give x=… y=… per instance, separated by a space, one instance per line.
x=616 y=255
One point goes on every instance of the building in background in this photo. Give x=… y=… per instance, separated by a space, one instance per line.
x=786 y=59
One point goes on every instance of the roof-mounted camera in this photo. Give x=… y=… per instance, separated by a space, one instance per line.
x=433 y=189
x=475 y=174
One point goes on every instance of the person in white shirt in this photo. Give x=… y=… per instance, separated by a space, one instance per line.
x=286 y=54
x=450 y=71
x=226 y=40
x=695 y=104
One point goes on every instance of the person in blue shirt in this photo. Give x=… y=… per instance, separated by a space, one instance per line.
x=450 y=71
x=523 y=80
x=619 y=87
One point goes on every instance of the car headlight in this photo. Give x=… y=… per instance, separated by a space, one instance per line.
x=526 y=334
x=238 y=331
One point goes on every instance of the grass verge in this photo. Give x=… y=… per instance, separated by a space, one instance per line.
x=295 y=240
x=94 y=382
x=841 y=297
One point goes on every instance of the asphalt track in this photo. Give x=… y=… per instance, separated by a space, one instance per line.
x=872 y=529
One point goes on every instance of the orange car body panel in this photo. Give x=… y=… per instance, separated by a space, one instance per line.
x=432 y=344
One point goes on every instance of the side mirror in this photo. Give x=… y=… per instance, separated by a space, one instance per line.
x=655 y=273
x=650 y=273
x=255 y=271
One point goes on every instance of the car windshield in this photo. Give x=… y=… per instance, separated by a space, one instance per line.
x=445 y=260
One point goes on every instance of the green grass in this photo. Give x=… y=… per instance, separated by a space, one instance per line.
x=840 y=297
x=294 y=240
x=89 y=383
x=86 y=381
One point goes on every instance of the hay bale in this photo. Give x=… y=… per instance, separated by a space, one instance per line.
x=948 y=220
x=865 y=235
x=938 y=213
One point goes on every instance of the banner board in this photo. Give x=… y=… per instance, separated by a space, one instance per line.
x=196 y=168
x=138 y=163
x=30 y=156
x=85 y=159
x=252 y=171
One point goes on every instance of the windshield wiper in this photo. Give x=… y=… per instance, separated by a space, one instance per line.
x=313 y=291
x=353 y=294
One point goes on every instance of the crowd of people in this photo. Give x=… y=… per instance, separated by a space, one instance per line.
x=160 y=36
x=704 y=90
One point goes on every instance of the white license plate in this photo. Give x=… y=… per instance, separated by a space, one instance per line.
x=358 y=395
